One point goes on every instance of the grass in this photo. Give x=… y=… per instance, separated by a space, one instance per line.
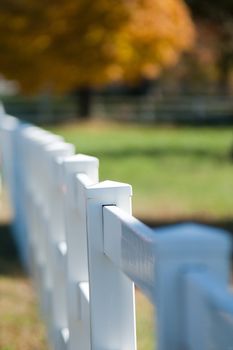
x=175 y=172
x=20 y=326
x=145 y=325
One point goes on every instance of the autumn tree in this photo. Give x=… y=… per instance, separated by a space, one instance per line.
x=63 y=45
x=215 y=18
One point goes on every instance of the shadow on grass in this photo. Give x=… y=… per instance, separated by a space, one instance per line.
x=160 y=152
x=226 y=223
x=9 y=259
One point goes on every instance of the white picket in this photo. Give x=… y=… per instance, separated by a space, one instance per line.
x=111 y=292
x=76 y=238
x=57 y=248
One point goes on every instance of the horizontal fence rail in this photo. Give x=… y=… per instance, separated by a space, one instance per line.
x=85 y=251
x=159 y=106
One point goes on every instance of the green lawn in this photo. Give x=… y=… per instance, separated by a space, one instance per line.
x=20 y=327
x=175 y=172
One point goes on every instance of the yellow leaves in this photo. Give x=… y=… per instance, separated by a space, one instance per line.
x=18 y=23
x=150 y=70
x=158 y=31
x=85 y=42
x=95 y=36
x=114 y=72
x=41 y=42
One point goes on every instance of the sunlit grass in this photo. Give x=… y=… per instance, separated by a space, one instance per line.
x=20 y=328
x=145 y=324
x=175 y=172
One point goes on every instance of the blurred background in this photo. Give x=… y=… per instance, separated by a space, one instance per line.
x=144 y=85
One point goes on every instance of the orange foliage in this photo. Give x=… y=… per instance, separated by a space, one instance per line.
x=64 y=44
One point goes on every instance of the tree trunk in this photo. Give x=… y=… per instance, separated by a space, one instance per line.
x=225 y=69
x=83 y=97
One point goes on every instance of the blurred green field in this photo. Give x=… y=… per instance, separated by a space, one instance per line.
x=175 y=172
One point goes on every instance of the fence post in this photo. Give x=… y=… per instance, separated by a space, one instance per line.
x=112 y=307
x=2 y=111
x=36 y=141
x=54 y=272
x=8 y=126
x=178 y=249
x=76 y=237
x=208 y=307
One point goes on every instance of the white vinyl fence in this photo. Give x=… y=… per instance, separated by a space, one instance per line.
x=86 y=251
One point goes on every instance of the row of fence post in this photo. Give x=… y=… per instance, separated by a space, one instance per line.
x=85 y=251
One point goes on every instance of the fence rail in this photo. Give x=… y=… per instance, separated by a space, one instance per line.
x=161 y=107
x=85 y=251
